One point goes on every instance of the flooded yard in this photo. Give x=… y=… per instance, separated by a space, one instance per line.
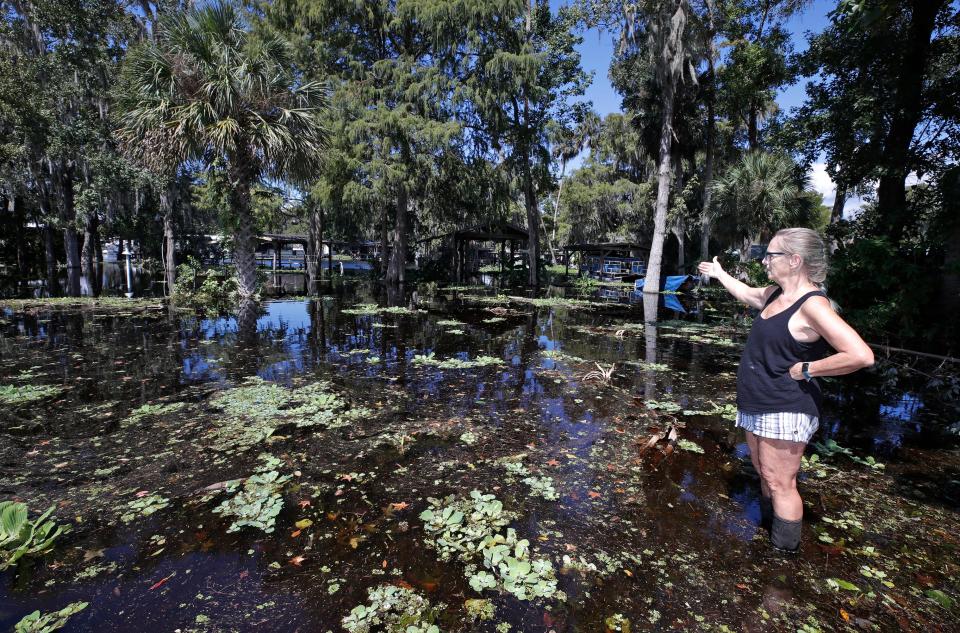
x=451 y=460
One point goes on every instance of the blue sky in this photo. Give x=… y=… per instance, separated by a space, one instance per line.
x=597 y=50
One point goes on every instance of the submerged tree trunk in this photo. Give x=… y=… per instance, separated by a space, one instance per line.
x=396 y=269
x=50 y=257
x=97 y=264
x=87 y=265
x=71 y=241
x=71 y=244
x=314 y=253
x=169 y=245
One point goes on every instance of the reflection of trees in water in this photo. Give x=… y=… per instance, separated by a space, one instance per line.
x=244 y=358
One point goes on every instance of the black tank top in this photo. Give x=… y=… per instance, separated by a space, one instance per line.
x=764 y=384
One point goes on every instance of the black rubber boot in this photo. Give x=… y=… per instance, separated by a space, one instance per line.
x=766 y=512
x=785 y=535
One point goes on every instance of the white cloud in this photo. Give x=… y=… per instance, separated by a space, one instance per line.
x=821 y=182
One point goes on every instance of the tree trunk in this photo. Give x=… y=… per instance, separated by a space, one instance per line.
x=906 y=114
x=244 y=244
x=752 y=134
x=70 y=238
x=50 y=257
x=314 y=254
x=664 y=178
x=836 y=214
x=745 y=245
x=556 y=206
x=88 y=253
x=71 y=243
x=950 y=277
x=679 y=232
x=384 y=241
x=706 y=214
x=533 y=225
x=396 y=270
x=676 y=22
x=169 y=246
x=97 y=264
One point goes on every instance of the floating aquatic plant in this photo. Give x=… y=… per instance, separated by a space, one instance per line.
x=21 y=537
x=542 y=487
x=468 y=529
x=456 y=363
x=16 y=395
x=256 y=408
x=144 y=507
x=687 y=445
x=48 y=622
x=479 y=609
x=393 y=609
x=256 y=501
x=148 y=410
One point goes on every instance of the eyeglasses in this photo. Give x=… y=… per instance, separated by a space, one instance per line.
x=772 y=254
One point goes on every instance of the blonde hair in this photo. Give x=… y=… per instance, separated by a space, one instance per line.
x=811 y=248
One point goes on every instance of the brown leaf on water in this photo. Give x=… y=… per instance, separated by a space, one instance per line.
x=297 y=560
x=594 y=494
x=552 y=462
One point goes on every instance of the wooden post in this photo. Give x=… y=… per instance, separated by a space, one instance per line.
x=566 y=263
x=276 y=255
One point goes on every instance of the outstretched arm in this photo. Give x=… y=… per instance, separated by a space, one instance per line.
x=753 y=297
x=852 y=352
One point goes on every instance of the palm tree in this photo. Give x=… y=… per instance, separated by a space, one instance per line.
x=760 y=195
x=206 y=90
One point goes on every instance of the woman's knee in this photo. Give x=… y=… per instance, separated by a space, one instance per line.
x=777 y=480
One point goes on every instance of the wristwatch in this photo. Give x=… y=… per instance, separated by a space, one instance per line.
x=805 y=370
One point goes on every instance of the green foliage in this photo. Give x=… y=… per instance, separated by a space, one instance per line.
x=256 y=501
x=213 y=290
x=393 y=609
x=18 y=395
x=885 y=293
x=830 y=448
x=761 y=194
x=48 y=622
x=21 y=537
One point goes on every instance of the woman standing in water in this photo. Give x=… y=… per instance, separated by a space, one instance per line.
x=778 y=398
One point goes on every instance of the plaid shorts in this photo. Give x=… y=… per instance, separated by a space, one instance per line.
x=795 y=427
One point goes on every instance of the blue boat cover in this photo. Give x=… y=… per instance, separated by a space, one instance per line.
x=672 y=283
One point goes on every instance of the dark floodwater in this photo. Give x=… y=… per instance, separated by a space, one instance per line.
x=668 y=540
